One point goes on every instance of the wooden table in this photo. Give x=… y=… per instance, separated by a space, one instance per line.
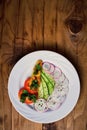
x=30 y=25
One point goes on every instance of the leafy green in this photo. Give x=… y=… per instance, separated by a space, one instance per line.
x=34 y=84
x=38 y=67
x=32 y=97
x=23 y=96
x=26 y=94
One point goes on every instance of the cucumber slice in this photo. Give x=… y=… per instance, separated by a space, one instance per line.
x=50 y=86
x=40 y=91
x=49 y=77
x=45 y=89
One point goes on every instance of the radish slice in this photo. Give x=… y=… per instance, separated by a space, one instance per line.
x=60 y=79
x=65 y=82
x=46 y=66
x=62 y=99
x=61 y=90
x=49 y=67
x=57 y=73
x=55 y=100
x=58 y=96
x=52 y=68
x=52 y=104
x=41 y=105
x=57 y=91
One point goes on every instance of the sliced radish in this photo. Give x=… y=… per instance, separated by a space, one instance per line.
x=41 y=105
x=62 y=99
x=55 y=100
x=57 y=91
x=53 y=105
x=64 y=90
x=56 y=97
x=46 y=66
x=57 y=73
x=52 y=68
x=65 y=82
x=60 y=79
x=61 y=90
x=49 y=98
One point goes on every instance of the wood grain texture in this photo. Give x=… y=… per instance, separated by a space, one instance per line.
x=30 y=25
x=50 y=24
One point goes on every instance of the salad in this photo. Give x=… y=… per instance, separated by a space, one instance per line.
x=46 y=88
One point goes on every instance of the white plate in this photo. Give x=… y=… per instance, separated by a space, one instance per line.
x=23 y=69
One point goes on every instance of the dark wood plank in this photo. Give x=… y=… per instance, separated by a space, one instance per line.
x=25 y=27
x=1 y=83
x=9 y=31
x=15 y=119
x=6 y=102
x=38 y=24
x=75 y=49
x=7 y=39
x=1 y=101
x=1 y=19
x=50 y=24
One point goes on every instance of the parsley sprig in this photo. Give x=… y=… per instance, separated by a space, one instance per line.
x=34 y=84
x=26 y=94
x=38 y=67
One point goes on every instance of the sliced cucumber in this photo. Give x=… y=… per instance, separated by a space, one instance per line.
x=50 y=86
x=49 y=77
x=45 y=89
x=40 y=91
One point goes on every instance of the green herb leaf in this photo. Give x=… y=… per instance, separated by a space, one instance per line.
x=23 y=96
x=34 y=84
x=38 y=67
x=32 y=97
x=26 y=94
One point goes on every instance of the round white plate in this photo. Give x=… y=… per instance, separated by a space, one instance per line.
x=23 y=69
